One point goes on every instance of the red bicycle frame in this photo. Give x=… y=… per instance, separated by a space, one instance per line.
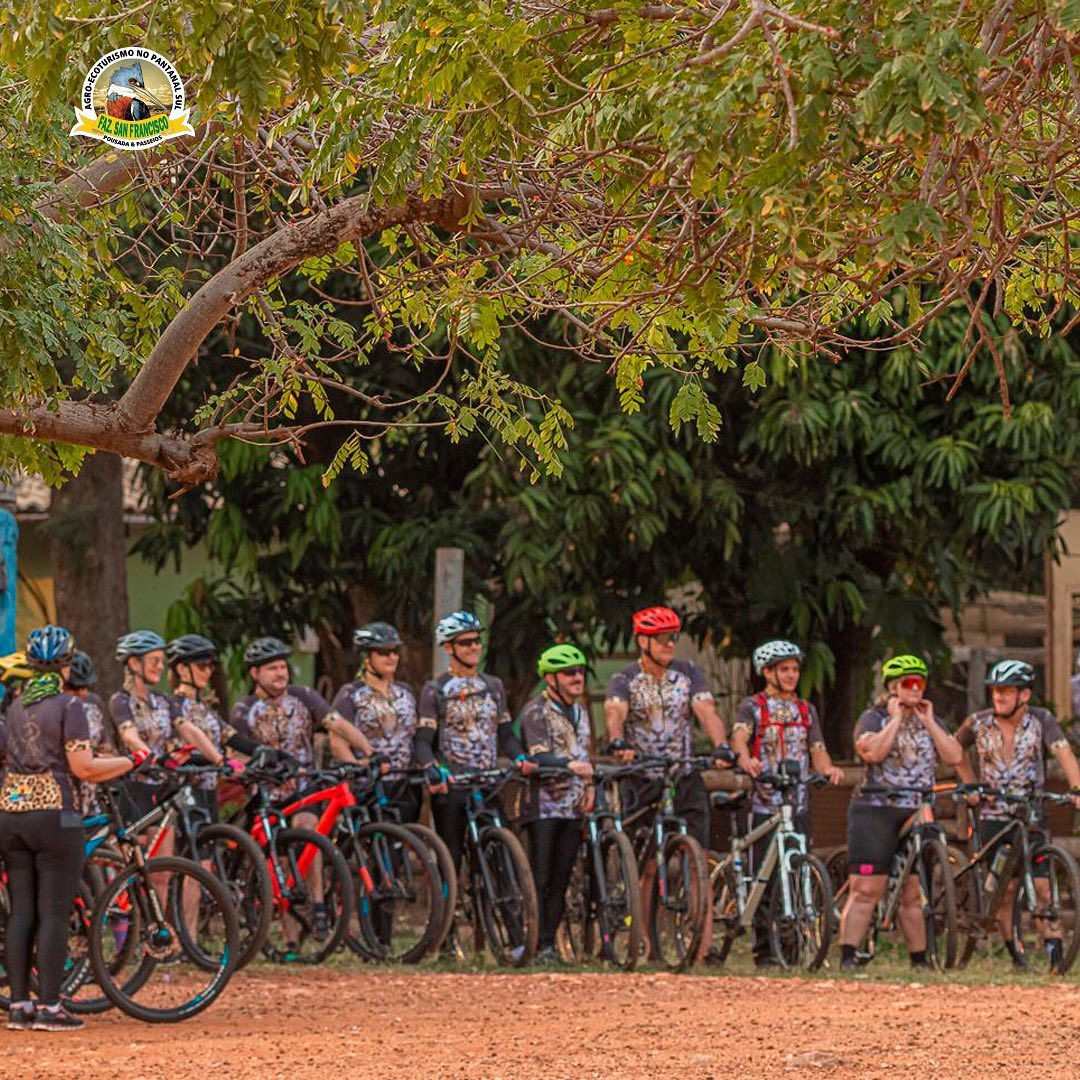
x=337 y=798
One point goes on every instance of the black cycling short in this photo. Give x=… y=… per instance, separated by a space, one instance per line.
x=691 y=803
x=874 y=836
x=987 y=828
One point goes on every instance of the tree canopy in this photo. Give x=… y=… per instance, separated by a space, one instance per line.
x=688 y=186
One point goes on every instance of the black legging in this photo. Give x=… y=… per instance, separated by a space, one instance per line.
x=44 y=863
x=448 y=812
x=555 y=844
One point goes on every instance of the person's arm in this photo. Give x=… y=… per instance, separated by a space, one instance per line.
x=193 y=734
x=124 y=720
x=820 y=759
x=1059 y=746
x=874 y=746
x=333 y=723
x=616 y=711
x=742 y=732
x=948 y=749
x=340 y=750
x=78 y=752
x=965 y=736
x=704 y=708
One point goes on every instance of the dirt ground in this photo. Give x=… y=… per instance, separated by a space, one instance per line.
x=386 y=1024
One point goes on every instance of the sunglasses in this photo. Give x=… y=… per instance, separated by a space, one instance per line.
x=668 y=637
x=573 y=671
x=467 y=642
x=205 y=665
x=912 y=682
x=392 y=650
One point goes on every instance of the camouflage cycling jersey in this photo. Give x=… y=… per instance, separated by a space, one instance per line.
x=388 y=720
x=285 y=723
x=151 y=719
x=467 y=711
x=205 y=717
x=785 y=737
x=660 y=721
x=550 y=728
x=912 y=761
x=102 y=743
x=1037 y=732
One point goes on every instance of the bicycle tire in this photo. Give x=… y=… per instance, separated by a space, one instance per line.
x=621 y=916
x=401 y=866
x=510 y=920
x=685 y=907
x=971 y=907
x=240 y=865
x=287 y=846
x=938 y=902
x=724 y=899
x=570 y=936
x=138 y=878
x=447 y=872
x=803 y=940
x=1063 y=871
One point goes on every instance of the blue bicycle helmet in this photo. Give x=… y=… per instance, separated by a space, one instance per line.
x=49 y=647
x=456 y=624
x=138 y=643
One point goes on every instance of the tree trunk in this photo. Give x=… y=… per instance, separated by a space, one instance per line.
x=845 y=700
x=89 y=557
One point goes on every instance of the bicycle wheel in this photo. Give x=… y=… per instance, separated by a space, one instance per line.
x=801 y=939
x=507 y=901
x=404 y=894
x=176 y=968
x=1057 y=894
x=680 y=908
x=447 y=875
x=570 y=937
x=971 y=906
x=724 y=903
x=237 y=861
x=938 y=902
x=615 y=925
x=313 y=907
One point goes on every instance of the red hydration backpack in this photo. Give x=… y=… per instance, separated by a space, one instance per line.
x=762 y=702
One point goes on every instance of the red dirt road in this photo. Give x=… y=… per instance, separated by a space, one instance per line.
x=340 y=1025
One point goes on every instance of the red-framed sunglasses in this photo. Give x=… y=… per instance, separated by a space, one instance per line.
x=913 y=682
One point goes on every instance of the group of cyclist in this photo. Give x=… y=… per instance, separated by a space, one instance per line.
x=59 y=740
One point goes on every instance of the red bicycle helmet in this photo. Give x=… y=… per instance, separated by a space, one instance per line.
x=656 y=620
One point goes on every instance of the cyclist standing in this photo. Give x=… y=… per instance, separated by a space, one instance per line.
x=556 y=730
x=650 y=709
x=1011 y=739
x=191 y=667
x=464 y=713
x=773 y=726
x=80 y=679
x=384 y=710
x=47 y=744
x=900 y=740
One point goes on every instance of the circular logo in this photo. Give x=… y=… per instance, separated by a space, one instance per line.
x=132 y=99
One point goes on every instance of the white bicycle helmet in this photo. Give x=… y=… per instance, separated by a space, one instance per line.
x=455 y=624
x=772 y=652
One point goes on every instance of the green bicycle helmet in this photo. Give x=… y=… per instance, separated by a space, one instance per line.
x=559 y=658
x=898 y=666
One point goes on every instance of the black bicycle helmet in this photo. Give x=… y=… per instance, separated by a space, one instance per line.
x=83 y=673
x=376 y=635
x=189 y=649
x=263 y=650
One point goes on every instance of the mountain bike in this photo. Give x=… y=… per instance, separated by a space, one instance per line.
x=604 y=916
x=1020 y=865
x=679 y=894
x=313 y=897
x=399 y=895
x=496 y=888
x=923 y=852
x=791 y=887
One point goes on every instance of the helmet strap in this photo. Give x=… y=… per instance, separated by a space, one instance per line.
x=554 y=690
x=647 y=654
x=456 y=665
x=376 y=682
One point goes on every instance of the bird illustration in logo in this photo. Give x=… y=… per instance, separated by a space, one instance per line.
x=127 y=90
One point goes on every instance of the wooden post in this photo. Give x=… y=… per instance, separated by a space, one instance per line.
x=976 y=681
x=1062 y=585
x=449 y=593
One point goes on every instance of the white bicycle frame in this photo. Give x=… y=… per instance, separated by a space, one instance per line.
x=786 y=843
